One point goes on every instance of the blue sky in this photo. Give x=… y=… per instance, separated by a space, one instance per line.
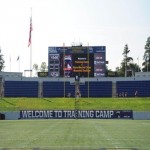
x=110 y=23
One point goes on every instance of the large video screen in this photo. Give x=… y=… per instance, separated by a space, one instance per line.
x=77 y=64
x=72 y=61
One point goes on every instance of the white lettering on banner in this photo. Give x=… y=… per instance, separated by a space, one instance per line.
x=111 y=113
x=41 y=114
x=30 y=114
x=69 y=114
x=58 y=114
x=24 y=114
x=73 y=114
x=96 y=114
x=85 y=114
x=104 y=114
x=64 y=114
x=38 y=114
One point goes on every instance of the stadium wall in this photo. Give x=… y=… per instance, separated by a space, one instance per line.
x=137 y=115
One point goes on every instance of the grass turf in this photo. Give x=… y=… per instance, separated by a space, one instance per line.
x=16 y=104
x=75 y=134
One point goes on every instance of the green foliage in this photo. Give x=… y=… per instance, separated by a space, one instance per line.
x=14 y=104
x=35 y=67
x=1 y=61
x=127 y=68
x=146 y=57
x=43 y=67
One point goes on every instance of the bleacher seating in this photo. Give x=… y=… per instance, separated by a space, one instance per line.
x=56 y=88
x=69 y=89
x=84 y=90
x=53 y=89
x=21 y=88
x=130 y=87
x=97 y=89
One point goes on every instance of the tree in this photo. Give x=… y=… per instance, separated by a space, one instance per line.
x=35 y=67
x=132 y=68
x=1 y=61
x=146 y=57
x=126 y=60
x=125 y=64
x=120 y=71
x=43 y=67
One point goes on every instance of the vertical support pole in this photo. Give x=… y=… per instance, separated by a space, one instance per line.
x=88 y=68
x=64 y=69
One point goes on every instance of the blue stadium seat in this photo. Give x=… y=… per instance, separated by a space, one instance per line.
x=53 y=89
x=21 y=88
x=97 y=89
x=69 y=89
x=130 y=87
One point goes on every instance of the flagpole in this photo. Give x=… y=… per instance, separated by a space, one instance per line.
x=31 y=47
x=30 y=43
x=31 y=60
x=19 y=63
x=10 y=62
x=18 y=60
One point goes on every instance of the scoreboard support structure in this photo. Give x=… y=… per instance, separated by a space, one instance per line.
x=77 y=94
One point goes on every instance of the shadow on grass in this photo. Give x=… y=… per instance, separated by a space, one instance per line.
x=47 y=100
x=2 y=99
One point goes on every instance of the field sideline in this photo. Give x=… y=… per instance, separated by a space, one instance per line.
x=74 y=134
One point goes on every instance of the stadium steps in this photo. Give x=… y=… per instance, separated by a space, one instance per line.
x=114 y=90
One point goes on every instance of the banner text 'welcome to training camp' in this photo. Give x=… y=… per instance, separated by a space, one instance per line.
x=73 y=114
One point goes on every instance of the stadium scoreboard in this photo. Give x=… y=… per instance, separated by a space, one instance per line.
x=77 y=60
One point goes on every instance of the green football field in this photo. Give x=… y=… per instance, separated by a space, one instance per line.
x=71 y=134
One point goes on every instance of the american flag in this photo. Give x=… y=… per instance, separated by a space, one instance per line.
x=18 y=58
x=29 y=42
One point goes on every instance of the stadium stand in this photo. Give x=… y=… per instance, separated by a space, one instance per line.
x=15 y=85
x=69 y=89
x=134 y=88
x=21 y=89
x=96 y=89
x=84 y=90
x=53 y=89
x=100 y=89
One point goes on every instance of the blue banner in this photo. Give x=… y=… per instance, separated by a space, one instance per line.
x=76 y=114
x=72 y=50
